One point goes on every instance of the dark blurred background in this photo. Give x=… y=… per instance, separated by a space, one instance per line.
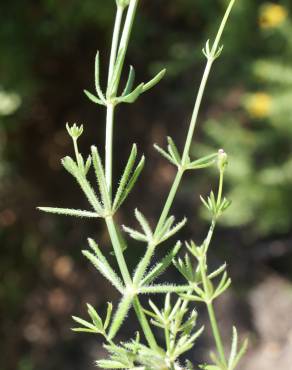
x=46 y=60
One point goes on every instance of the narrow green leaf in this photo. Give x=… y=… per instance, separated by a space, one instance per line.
x=164 y=228
x=93 y=98
x=134 y=234
x=120 y=315
x=222 y=288
x=205 y=203
x=130 y=82
x=194 y=298
x=94 y=317
x=87 y=165
x=203 y=162
x=155 y=309
x=172 y=148
x=69 y=212
x=84 y=330
x=164 y=154
x=108 y=315
x=161 y=266
x=132 y=180
x=105 y=269
x=85 y=323
x=155 y=80
x=177 y=307
x=217 y=272
x=97 y=79
x=169 y=288
x=125 y=177
x=116 y=73
x=70 y=165
x=233 y=350
x=144 y=224
x=241 y=353
x=73 y=169
x=89 y=193
x=100 y=176
x=174 y=230
x=157 y=324
x=133 y=96
x=110 y=364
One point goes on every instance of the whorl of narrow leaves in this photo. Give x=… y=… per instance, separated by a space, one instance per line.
x=173 y=156
x=129 y=178
x=96 y=326
x=167 y=230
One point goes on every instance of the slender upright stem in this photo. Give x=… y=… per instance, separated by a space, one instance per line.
x=109 y=147
x=216 y=333
x=170 y=199
x=115 y=41
x=144 y=323
x=118 y=250
x=220 y=188
x=196 y=110
x=76 y=151
x=123 y=46
x=211 y=312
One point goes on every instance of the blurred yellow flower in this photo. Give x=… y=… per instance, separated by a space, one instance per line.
x=259 y=105
x=272 y=15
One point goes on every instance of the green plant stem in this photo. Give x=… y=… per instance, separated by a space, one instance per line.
x=220 y=188
x=118 y=250
x=196 y=111
x=167 y=338
x=76 y=151
x=144 y=323
x=211 y=312
x=170 y=199
x=115 y=41
x=209 y=303
x=110 y=113
x=216 y=333
x=126 y=37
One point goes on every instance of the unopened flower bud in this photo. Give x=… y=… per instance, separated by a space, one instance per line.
x=74 y=131
x=123 y=3
x=222 y=160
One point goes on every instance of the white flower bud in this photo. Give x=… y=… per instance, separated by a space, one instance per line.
x=74 y=131
x=123 y=3
x=222 y=160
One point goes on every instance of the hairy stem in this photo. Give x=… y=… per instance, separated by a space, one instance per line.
x=118 y=250
x=109 y=147
x=144 y=323
x=216 y=333
x=196 y=110
x=211 y=312
x=220 y=188
x=170 y=199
